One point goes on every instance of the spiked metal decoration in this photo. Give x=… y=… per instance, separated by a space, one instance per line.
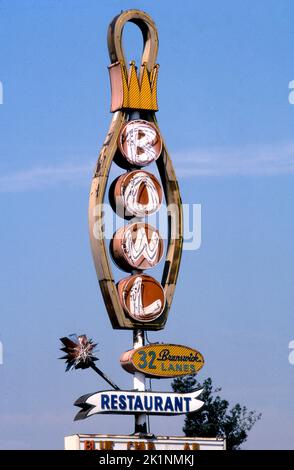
x=79 y=352
x=80 y=355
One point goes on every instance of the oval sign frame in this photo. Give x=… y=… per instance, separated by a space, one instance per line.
x=154 y=360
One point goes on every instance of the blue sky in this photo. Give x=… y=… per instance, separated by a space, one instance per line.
x=227 y=121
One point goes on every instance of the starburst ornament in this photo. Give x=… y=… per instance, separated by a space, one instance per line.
x=79 y=352
x=80 y=355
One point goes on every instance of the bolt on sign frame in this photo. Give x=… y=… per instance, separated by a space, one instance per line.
x=129 y=94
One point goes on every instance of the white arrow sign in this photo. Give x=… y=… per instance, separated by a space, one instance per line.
x=130 y=402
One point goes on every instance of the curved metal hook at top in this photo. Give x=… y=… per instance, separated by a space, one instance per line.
x=149 y=32
x=129 y=91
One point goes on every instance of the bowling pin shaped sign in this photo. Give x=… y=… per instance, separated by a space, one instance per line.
x=147 y=181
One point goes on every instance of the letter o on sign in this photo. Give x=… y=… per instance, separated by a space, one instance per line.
x=142 y=297
x=135 y=193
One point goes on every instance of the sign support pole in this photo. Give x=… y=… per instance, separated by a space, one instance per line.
x=139 y=383
x=139 y=341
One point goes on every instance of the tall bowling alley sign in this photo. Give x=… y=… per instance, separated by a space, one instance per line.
x=134 y=142
x=138 y=300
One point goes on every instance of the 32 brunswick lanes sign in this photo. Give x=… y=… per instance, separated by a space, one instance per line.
x=162 y=360
x=130 y=402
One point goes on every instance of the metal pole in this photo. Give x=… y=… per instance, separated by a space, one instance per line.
x=139 y=384
x=138 y=341
x=104 y=376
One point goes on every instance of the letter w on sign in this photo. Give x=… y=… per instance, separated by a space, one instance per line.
x=142 y=247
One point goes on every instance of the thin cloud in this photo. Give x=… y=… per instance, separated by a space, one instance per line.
x=277 y=159
x=46 y=177
x=248 y=161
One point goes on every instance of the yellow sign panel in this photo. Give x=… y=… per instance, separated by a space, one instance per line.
x=162 y=360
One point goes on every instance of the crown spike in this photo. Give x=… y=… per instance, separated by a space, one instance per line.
x=124 y=85
x=145 y=96
x=154 y=76
x=133 y=85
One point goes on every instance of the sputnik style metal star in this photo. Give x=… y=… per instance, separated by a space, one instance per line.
x=80 y=355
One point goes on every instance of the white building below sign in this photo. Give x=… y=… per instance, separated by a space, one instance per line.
x=117 y=442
